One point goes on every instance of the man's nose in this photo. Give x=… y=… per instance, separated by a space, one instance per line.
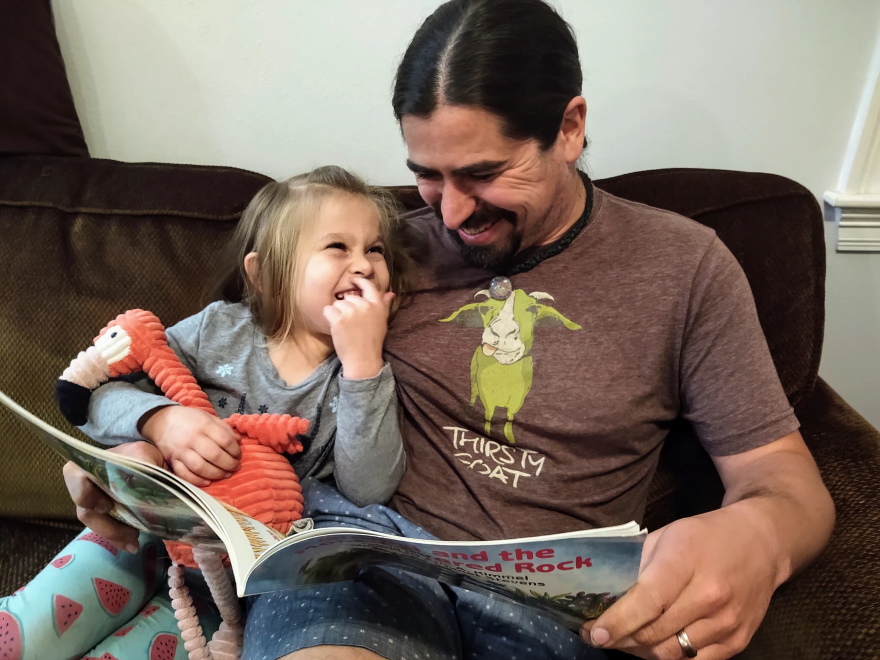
x=456 y=206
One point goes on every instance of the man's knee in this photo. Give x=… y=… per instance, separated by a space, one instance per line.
x=333 y=653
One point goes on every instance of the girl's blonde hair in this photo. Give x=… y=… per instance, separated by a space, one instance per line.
x=273 y=226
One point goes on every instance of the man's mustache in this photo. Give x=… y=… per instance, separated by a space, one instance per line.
x=483 y=216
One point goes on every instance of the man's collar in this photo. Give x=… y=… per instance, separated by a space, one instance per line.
x=531 y=257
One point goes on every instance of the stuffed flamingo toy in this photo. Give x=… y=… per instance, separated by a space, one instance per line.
x=265 y=487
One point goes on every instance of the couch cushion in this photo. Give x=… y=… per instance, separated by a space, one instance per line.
x=37 y=115
x=27 y=546
x=83 y=240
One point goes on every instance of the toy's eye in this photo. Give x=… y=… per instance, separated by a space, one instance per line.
x=112 y=335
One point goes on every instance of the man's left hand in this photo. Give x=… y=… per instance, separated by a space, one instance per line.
x=711 y=575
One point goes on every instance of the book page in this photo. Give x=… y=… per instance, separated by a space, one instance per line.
x=247 y=539
x=144 y=498
x=158 y=502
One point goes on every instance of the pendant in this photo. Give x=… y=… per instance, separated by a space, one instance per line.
x=500 y=288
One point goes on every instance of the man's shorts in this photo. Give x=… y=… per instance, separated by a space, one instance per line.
x=396 y=614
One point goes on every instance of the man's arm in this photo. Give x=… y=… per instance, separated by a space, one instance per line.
x=93 y=505
x=712 y=575
x=781 y=483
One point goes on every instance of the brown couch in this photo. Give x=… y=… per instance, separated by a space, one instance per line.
x=85 y=238
x=82 y=239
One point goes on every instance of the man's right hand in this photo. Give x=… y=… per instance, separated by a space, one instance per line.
x=199 y=447
x=93 y=505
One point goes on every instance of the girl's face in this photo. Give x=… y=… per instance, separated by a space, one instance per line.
x=343 y=244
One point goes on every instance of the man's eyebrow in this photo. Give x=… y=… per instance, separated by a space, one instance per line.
x=480 y=168
x=419 y=169
x=476 y=168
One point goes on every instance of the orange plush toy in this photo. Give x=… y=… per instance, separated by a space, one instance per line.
x=266 y=487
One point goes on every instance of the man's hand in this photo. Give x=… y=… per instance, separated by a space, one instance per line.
x=199 y=447
x=358 y=325
x=711 y=575
x=93 y=505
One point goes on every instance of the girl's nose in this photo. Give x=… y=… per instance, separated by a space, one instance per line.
x=362 y=266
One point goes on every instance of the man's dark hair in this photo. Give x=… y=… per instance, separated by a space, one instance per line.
x=518 y=59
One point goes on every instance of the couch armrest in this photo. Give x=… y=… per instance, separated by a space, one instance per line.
x=832 y=610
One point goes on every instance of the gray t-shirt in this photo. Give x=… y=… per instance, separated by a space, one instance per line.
x=546 y=412
x=353 y=436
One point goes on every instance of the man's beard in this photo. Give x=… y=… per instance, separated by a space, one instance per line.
x=495 y=257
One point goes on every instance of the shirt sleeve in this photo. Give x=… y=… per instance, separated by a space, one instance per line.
x=369 y=455
x=116 y=407
x=729 y=388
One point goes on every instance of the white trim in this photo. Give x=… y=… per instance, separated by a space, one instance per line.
x=861 y=165
x=847 y=201
x=858 y=229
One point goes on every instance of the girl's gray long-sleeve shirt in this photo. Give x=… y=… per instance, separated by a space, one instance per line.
x=353 y=436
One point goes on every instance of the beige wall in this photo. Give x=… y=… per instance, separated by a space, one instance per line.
x=279 y=86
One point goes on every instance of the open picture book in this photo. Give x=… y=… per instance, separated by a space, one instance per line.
x=573 y=576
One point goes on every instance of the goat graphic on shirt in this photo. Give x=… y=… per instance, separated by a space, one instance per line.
x=502 y=365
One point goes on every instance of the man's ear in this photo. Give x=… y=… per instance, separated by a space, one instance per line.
x=251 y=267
x=571 y=130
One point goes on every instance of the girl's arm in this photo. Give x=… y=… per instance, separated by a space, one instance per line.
x=369 y=456
x=117 y=409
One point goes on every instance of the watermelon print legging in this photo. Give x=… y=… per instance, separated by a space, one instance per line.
x=94 y=601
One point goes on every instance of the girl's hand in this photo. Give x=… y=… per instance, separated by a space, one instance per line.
x=358 y=325
x=199 y=447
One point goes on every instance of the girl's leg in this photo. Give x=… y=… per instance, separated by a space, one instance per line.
x=153 y=633
x=89 y=590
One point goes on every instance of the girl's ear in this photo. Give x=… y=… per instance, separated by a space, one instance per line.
x=251 y=267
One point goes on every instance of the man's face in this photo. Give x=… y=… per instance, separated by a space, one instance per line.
x=496 y=195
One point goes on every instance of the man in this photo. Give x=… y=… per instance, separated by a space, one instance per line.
x=556 y=333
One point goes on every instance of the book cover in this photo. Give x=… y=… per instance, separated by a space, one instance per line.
x=573 y=576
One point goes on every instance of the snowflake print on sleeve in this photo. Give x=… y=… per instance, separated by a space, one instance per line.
x=225 y=369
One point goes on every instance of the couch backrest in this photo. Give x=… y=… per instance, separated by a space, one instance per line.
x=773 y=226
x=83 y=240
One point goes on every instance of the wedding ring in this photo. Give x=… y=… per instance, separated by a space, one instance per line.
x=685 y=643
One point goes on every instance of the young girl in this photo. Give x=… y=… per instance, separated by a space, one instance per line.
x=319 y=262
